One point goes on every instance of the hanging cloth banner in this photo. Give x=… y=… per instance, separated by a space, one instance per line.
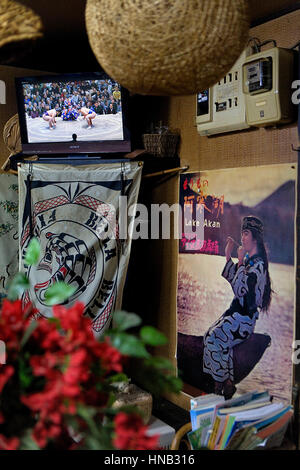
x=81 y=221
x=8 y=230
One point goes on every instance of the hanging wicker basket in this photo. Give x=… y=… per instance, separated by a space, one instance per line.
x=18 y=23
x=12 y=135
x=12 y=139
x=167 y=47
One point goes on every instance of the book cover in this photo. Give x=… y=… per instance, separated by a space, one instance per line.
x=229 y=423
x=213 y=435
x=194 y=438
x=270 y=437
x=271 y=418
x=220 y=432
x=204 y=412
x=197 y=402
x=277 y=426
x=243 y=417
x=249 y=406
x=238 y=401
x=250 y=430
x=240 y=436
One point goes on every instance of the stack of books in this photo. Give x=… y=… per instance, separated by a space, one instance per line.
x=250 y=421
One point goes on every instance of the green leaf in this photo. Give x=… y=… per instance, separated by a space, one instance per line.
x=174 y=383
x=87 y=413
x=27 y=443
x=33 y=252
x=58 y=293
x=18 y=285
x=160 y=363
x=25 y=372
x=56 y=321
x=100 y=441
x=32 y=326
x=152 y=336
x=93 y=443
x=124 y=320
x=128 y=345
x=116 y=378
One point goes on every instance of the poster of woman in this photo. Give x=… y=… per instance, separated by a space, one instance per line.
x=236 y=285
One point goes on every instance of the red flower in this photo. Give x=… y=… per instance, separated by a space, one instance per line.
x=44 y=431
x=70 y=367
x=111 y=358
x=131 y=433
x=7 y=443
x=12 y=314
x=45 y=365
x=47 y=335
x=13 y=323
x=77 y=372
x=6 y=373
x=73 y=319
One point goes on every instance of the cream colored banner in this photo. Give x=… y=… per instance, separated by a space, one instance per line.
x=74 y=211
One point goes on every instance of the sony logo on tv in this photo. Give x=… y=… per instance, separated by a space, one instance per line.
x=2 y=92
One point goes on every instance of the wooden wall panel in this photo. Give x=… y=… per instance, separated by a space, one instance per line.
x=249 y=147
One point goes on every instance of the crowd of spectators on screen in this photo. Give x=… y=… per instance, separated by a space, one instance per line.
x=101 y=96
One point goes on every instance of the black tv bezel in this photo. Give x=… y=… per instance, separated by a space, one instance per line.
x=72 y=147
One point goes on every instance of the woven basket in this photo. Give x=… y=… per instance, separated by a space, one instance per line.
x=167 y=47
x=18 y=23
x=12 y=139
x=161 y=145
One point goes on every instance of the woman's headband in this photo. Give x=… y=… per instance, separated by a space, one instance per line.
x=252 y=223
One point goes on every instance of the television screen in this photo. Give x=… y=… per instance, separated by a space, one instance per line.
x=79 y=113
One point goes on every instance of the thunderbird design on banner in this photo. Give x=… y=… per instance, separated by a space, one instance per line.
x=74 y=212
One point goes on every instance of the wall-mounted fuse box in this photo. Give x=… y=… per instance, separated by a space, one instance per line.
x=267 y=81
x=221 y=108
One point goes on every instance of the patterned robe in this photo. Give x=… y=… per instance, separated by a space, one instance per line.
x=238 y=322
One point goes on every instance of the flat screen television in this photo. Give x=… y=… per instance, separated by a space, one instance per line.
x=73 y=113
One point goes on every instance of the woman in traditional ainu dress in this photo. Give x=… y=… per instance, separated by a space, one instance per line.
x=250 y=281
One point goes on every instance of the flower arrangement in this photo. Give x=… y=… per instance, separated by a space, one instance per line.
x=58 y=385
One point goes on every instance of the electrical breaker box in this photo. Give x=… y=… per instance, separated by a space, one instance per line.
x=267 y=84
x=221 y=108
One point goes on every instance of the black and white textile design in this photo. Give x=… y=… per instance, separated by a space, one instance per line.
x=238 y=322
x=8 y=230
x=74 y=212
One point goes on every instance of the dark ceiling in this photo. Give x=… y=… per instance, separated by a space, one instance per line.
x=65 y=46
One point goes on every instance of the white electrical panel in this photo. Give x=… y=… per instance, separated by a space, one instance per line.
x=267 y=84
x=221 y=108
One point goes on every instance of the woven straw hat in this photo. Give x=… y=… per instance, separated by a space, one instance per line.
x=167 y=47
x=18 y=23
